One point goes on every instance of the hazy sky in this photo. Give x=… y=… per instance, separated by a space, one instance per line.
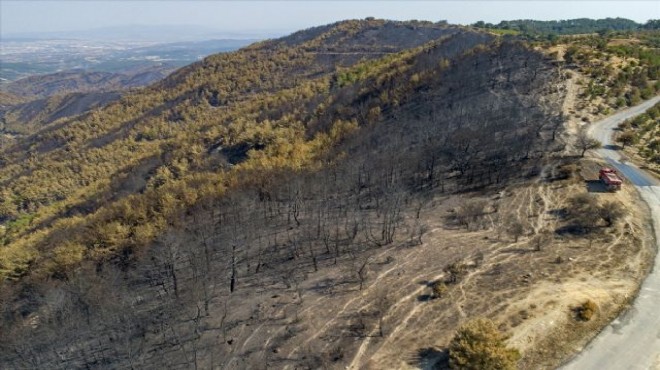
x=19 y=16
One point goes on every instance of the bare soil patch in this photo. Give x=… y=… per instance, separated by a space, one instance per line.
x=396 y=322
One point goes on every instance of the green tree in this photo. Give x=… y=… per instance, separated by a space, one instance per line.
x=626 y=138
x=479 y=345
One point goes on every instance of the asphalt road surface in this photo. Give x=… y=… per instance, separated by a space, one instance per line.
x=632 y=341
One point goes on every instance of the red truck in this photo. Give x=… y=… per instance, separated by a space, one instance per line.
x=610 y=178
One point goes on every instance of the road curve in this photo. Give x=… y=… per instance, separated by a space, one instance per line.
x=632 y=341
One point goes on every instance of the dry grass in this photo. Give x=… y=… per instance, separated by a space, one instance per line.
x=617 y=42
x=632 y=153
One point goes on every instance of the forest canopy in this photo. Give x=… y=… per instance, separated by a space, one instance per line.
x=571 y=26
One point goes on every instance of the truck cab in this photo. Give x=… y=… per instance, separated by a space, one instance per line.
x=610 y=179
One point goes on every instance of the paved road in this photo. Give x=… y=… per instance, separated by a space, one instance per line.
x=632 y=341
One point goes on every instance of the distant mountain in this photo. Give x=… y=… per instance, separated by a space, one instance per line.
x=28 y=117
x=7 y=99
x=29 y=104
x=151 y=33
x=79 y=80
x=20 y=59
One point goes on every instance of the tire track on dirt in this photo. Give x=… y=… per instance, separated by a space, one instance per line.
x=398 y=332
x=345 y=307
x=365 y=343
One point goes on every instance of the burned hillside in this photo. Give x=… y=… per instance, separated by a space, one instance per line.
x=337 y=160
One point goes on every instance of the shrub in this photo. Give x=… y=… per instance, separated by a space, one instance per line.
x=456 y=271
x=470 y=211
x=586 y=310
x=620 y=102
x=625 y=125
x=584 y=212
x=439 y=289
x=566 y=171
x=479 y=345
x=611 y=212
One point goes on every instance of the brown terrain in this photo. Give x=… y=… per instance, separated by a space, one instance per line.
x=530 y=292
x=334 y=267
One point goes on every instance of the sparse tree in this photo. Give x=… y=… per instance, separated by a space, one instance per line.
x=382 y=305
x=626 y=138
x=234 y=273
x=417 y=231
x=361 y=268
x=470 y=211
x=542 y=239
x=584 y=211
x=584 y=143
x=516 y=229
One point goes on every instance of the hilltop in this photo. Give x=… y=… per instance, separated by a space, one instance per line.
x=539 y=29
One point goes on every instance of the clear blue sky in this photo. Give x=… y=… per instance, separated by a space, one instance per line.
x=19 y=16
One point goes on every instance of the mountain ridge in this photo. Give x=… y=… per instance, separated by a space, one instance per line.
x=80 y=81
x=241 y=172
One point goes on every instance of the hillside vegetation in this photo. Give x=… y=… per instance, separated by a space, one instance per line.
x=30 y=104
x=287 y=204
x=641 y=135
x=386 y=109
x=619 y=64
x=622 y=71
x=263 y=106
x=551 y=29
x=80 y=81
x=7 y=99
x=26 y=118
x=607 y=71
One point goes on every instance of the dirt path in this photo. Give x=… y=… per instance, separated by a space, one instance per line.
x=632 y=341
x=411 y=315
x=358 y=298
x=402 y=324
